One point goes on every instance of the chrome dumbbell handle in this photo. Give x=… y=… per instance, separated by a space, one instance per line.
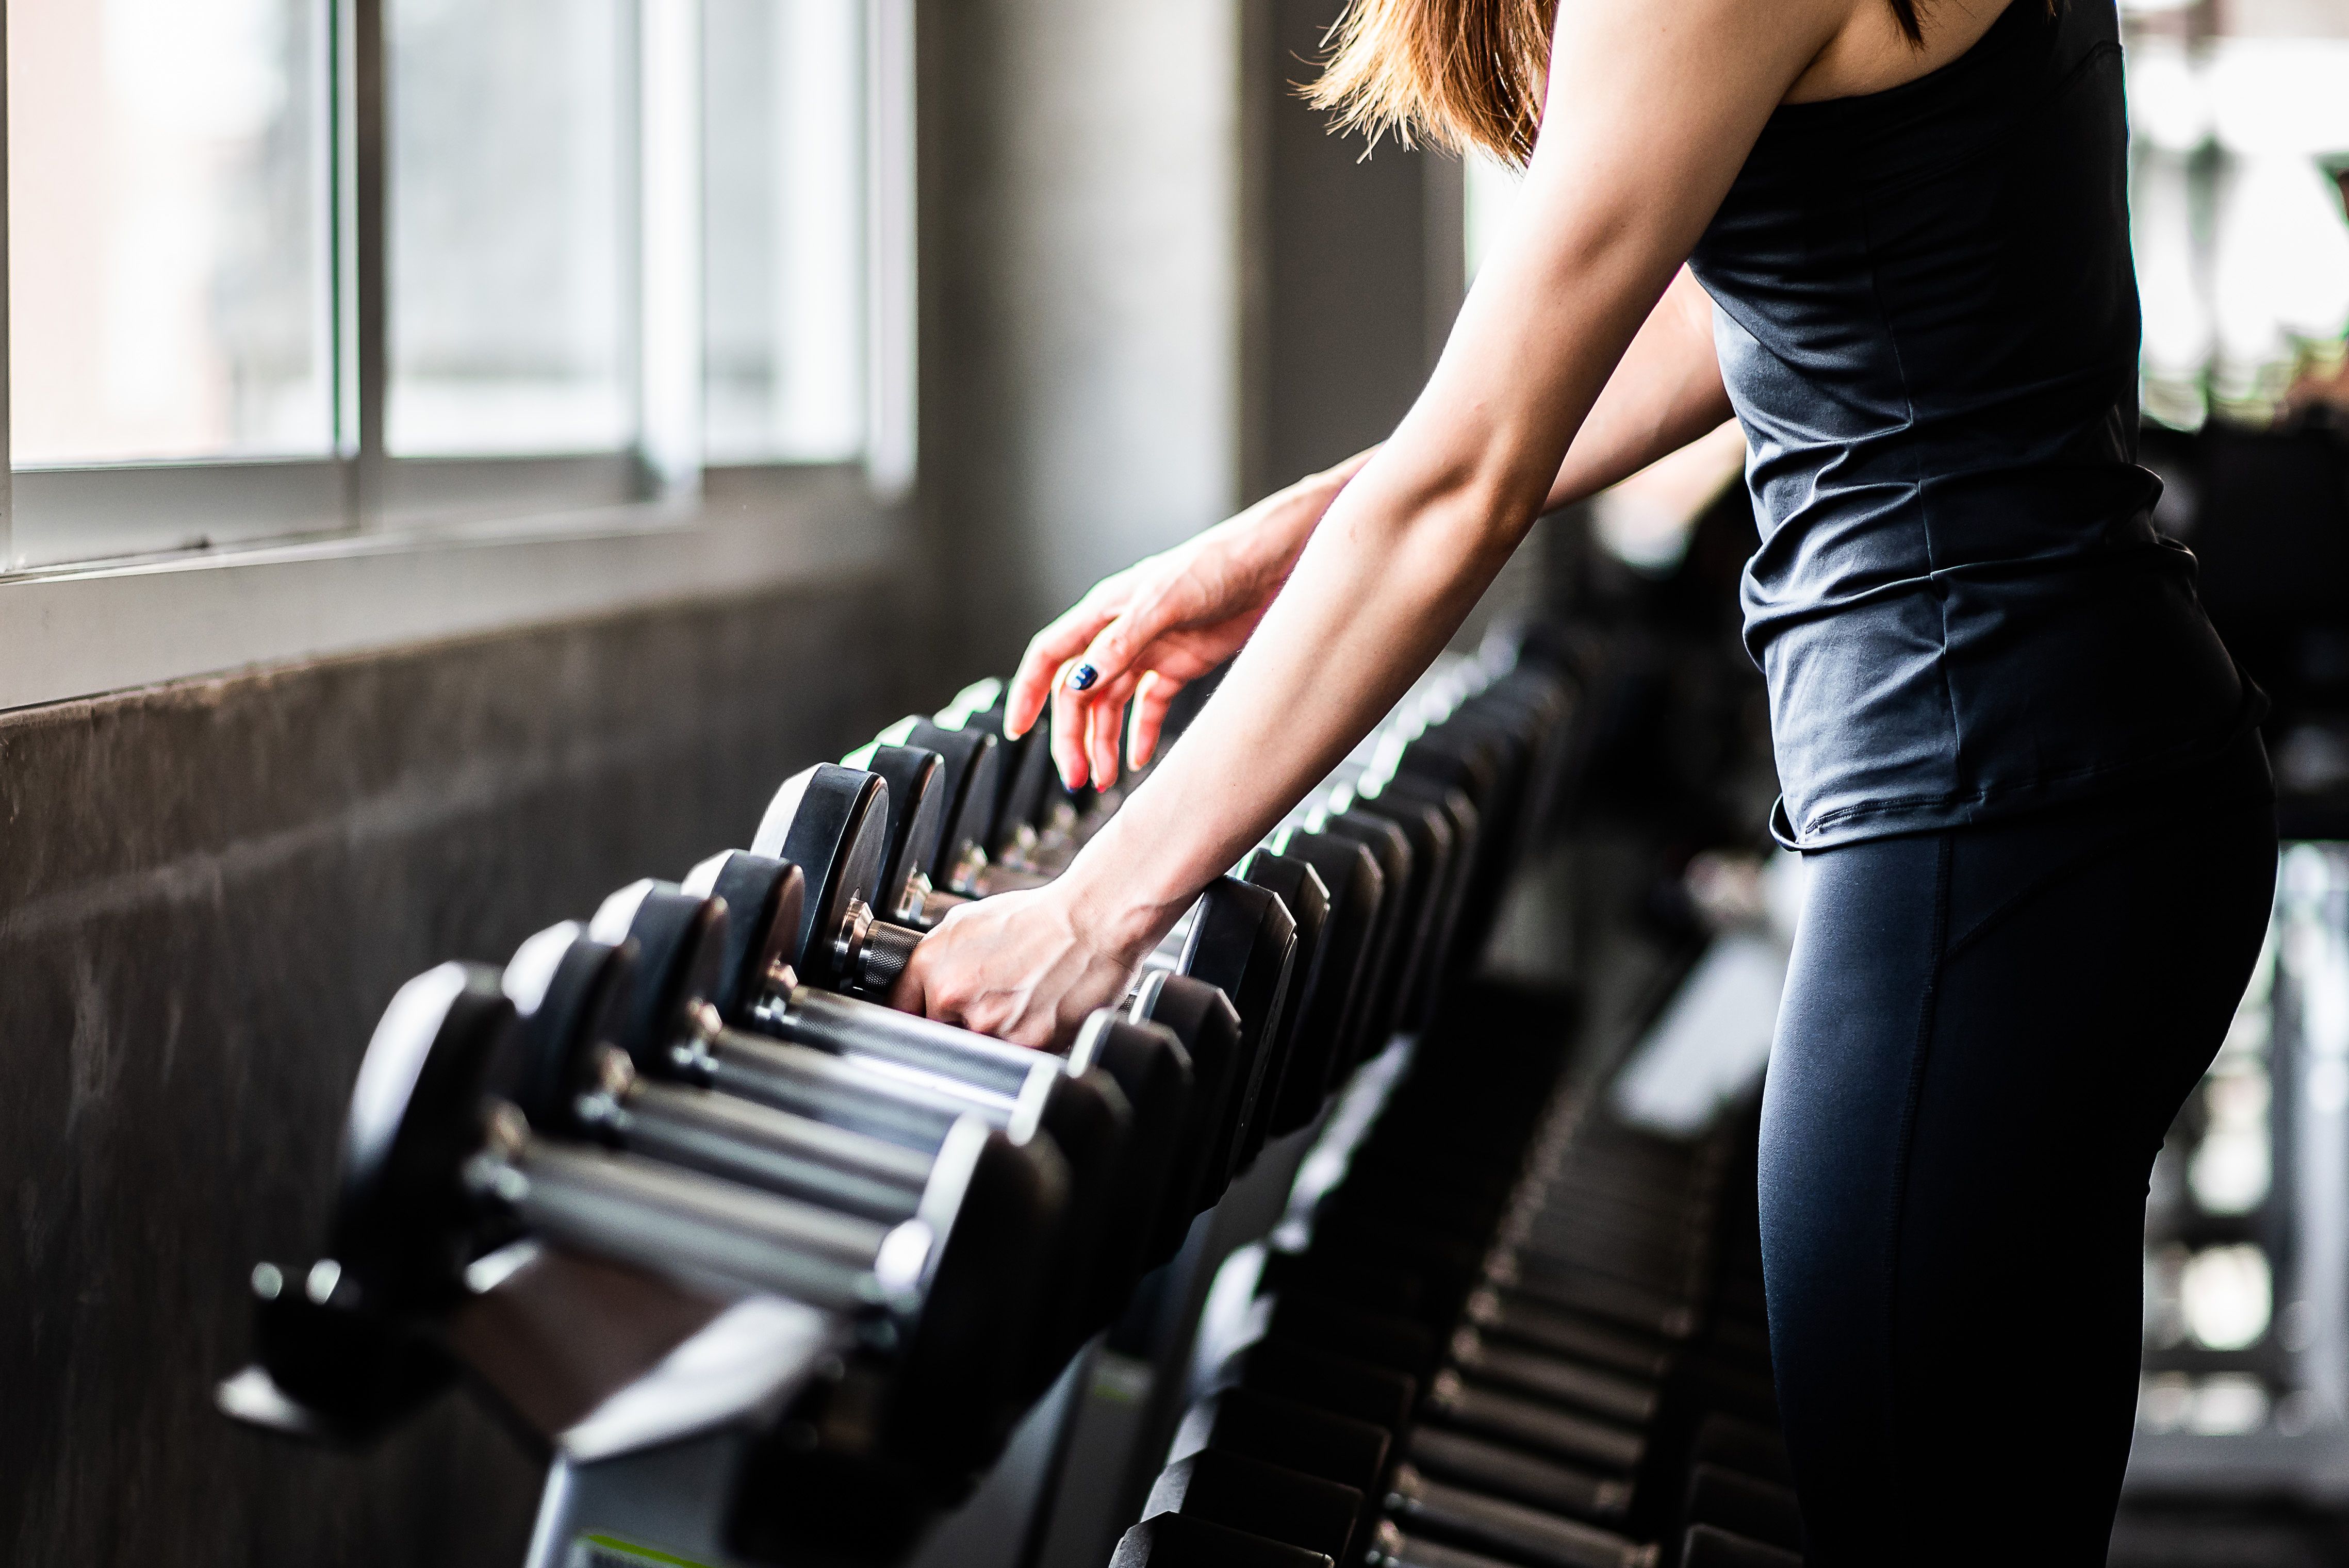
x=640 y=1212
x=774 y=1150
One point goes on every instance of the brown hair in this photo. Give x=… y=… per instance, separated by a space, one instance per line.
x=1458 y=73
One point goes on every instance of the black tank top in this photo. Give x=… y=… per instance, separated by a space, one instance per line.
x=1926 y=319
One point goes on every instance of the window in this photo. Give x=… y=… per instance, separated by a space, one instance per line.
x=510 y=214
x=288 y=269
x=2239 y=132
x=784 y=196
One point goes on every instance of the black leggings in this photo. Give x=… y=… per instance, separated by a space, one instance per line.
x=1985 y=1035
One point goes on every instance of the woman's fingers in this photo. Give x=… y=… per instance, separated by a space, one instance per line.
x=908 y=994
x=1070 y=752
x=1045 y=664
x=1152 y=698
x=1104 y=718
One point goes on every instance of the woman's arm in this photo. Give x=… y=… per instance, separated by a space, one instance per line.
x=1665 y=393
x=1649 y=113
x=1152 y=629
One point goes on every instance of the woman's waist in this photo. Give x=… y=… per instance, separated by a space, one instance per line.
x=1964 y=585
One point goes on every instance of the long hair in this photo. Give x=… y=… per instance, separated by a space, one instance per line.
x=1457 y=73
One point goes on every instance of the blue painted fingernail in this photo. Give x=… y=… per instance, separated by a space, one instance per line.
x=1081 y=678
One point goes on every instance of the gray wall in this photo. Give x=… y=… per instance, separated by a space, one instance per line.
x=207 y=892
x=1356 y=263
x=1155 y=287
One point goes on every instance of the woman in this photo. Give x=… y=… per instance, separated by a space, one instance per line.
x=1893 y=241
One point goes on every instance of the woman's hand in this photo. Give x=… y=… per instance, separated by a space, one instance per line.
x=1143 y=634
x=1028 y=967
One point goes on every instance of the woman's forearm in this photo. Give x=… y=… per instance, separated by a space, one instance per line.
x=1272 y=533
x=1374 y=596
x=1666 y=392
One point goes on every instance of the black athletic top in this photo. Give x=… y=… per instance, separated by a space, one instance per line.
x=1927 y=322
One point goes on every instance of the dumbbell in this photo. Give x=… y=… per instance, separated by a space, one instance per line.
x=756 y=990
x=1271 y=1501
x=566 y=1077
x=1331 y=973
x=1373 y=1011
x=1332 y=1004
x=1025 y=783
x=1407 y=793
x=1742 y=1505
x=831 y=822
x=933 y=866
x=1273 y=1431
x=1348 y=1362
x=436 y=1171
x=671 y=1029
x=1242 y=940
x=1179 y=1541
x=1427 y=836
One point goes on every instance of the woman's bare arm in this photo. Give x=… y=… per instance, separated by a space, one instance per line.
x=1665 y=393
x=1651 y=111
x=1146 y=632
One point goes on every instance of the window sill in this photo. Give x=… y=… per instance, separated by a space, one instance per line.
x=75 y=632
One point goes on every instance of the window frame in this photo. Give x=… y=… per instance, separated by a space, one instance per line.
x=271 y=536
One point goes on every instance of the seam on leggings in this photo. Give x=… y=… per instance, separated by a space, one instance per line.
x=2079 y=859
x=1944 y=852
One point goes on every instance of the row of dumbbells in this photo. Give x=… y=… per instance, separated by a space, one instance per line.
x=700 y=1083
x=1504 y=1339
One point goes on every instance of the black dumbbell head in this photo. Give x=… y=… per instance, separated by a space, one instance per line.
x=404 y=1226
x=1030 y=782
x=1460 y=815
x=997 y=1209
x=1203 y=1021
x=568 y=991
x=1299 y=1068
x=766 y=901
x=1706 y=1546
x=1337 y=1006
x=1244 y=942
x=831 y=822
x=970 y=781
x=1389 y=949
x=1178 y=1541
x=1284 y=1432
x=1430 y=832
x=1150 y=1066
x=1265 y=1499
x=680 y=942
x=916 y=779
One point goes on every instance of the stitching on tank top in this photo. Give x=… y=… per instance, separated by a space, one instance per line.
x=1944 y=850
x=2167 y=755
x=1917 y=485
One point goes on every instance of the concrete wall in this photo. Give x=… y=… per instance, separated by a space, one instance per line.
x=1080 y=260
x=1356 y=263
x=207 y=894
x=1155 y=287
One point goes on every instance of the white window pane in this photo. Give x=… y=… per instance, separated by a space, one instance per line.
x=784 y=166
x=167 y=230
x=511 y=286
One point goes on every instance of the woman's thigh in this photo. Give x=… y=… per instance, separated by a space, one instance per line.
x=1984 y=1036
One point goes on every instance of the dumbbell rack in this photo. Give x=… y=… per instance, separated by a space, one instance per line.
x=1538 y=1350
x=671 y=1396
